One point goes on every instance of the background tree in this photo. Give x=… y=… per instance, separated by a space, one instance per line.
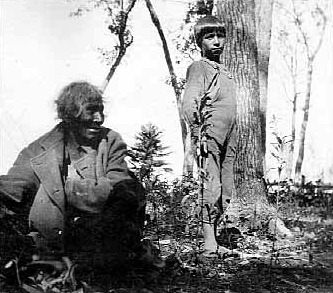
x=302 y=30
x=288 y=51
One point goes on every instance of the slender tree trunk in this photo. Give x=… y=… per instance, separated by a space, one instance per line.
x=292 y=67
x=293 y=137
x=188 y=160
x=241 y=57
x=299 y=161
x=290 y=159
x=311 y=54
x=123 y=43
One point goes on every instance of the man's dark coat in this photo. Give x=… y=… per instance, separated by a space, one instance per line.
x=36 y=179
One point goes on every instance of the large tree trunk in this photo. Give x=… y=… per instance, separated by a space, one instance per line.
x=241 y=57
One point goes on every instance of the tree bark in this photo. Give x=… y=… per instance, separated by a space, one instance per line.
x=188 y=161
x=263 y=20
x=242 y=58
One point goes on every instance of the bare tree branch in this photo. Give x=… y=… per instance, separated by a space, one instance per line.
x=123 y=42
x=167 y=56
x=321 y=34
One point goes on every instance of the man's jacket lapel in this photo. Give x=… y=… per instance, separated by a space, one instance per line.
x=47 y=168
x=47 y=213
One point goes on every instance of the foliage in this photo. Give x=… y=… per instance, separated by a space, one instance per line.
x=182 y=239
x=185 y=201
x=174 y=211
x=184 y=37
x=147 y=154
x=302 y=264
x=279 y=148
x=175 y=226
x=201 y=115
x=306 y=195
x=115 y=13
x=117 y=18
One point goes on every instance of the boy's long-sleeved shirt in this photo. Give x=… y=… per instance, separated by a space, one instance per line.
x=223 y=103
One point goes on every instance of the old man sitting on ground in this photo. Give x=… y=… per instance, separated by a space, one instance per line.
x=80 y=198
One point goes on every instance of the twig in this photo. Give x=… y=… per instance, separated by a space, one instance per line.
x=293 y=284
x=17 y=272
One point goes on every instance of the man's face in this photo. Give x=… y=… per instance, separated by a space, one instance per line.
x=90 y=121
x=213 y=44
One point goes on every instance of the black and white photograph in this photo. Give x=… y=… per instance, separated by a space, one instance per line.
x=154 y=146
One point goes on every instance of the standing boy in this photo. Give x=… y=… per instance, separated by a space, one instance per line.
x=208 y=77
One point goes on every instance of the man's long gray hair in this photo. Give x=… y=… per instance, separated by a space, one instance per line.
x=72 y=97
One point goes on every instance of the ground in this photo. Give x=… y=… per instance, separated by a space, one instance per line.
x=302 y=263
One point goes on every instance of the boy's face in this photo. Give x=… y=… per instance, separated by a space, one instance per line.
x=212 y=45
